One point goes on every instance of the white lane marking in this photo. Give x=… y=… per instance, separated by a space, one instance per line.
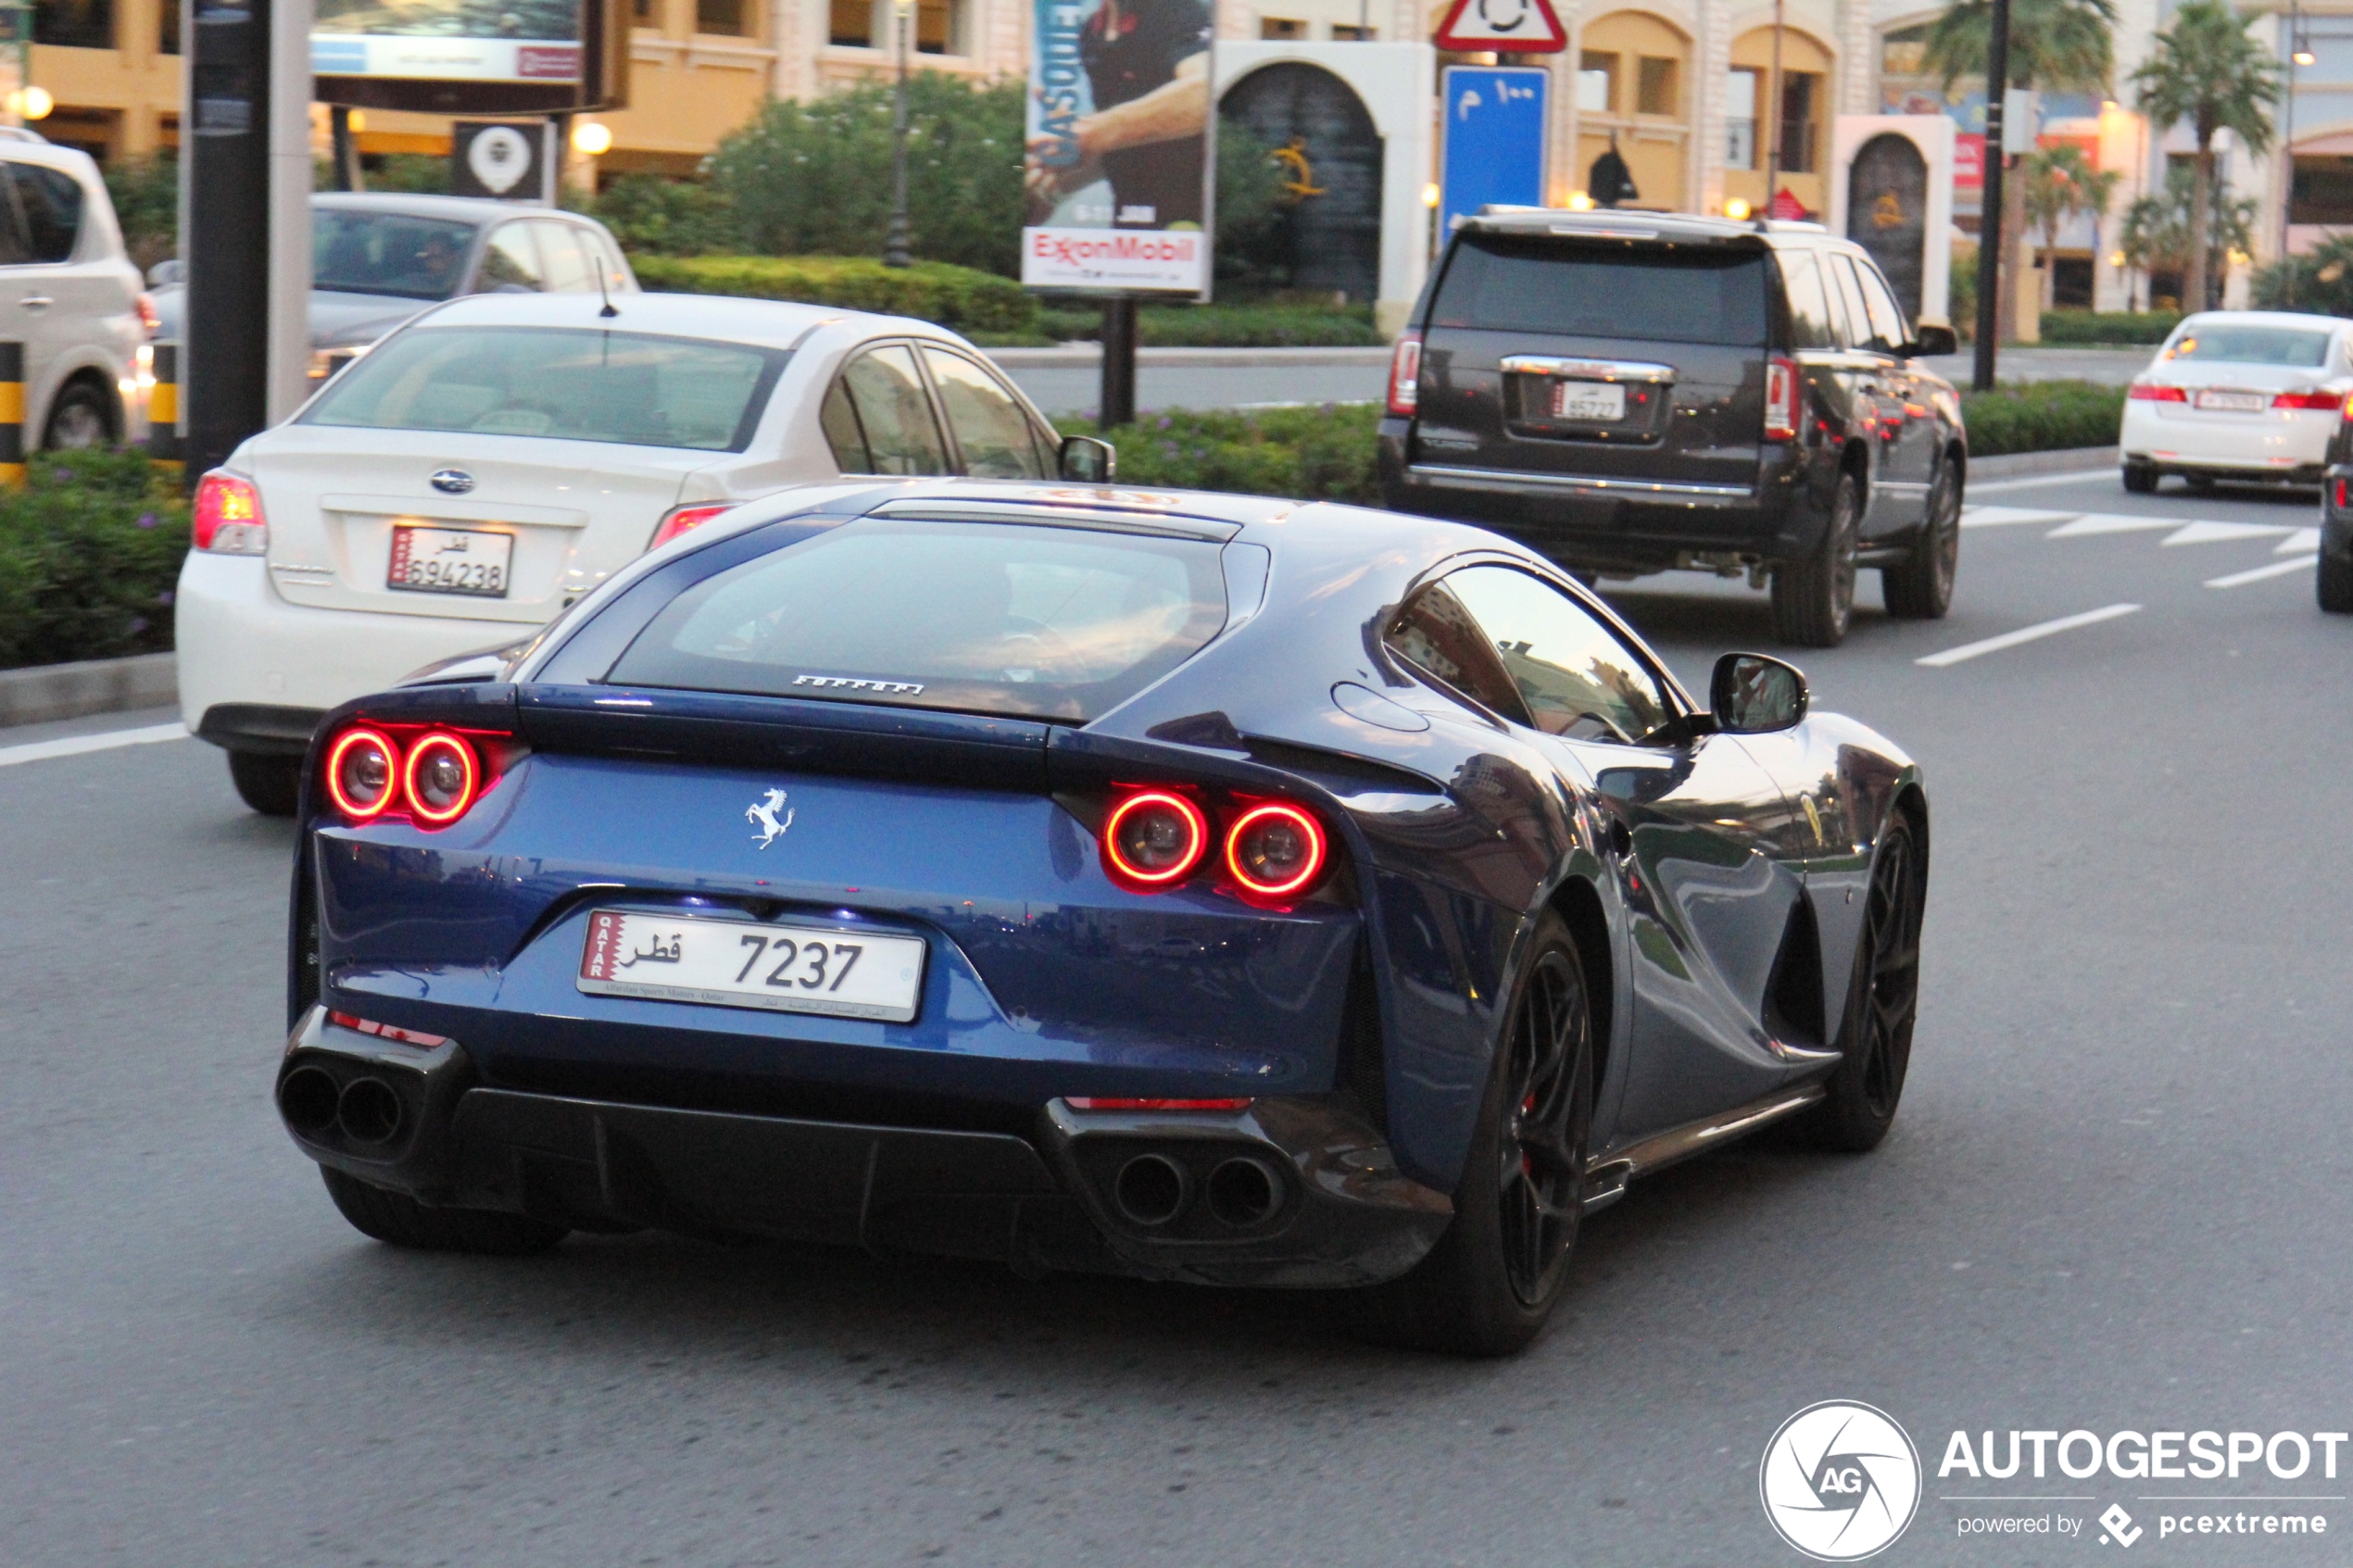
x=2111 y=522
x=2003 y=516
x=2025 y=635
x=2277 y=569
x=2076 y=476
x=2217 y=533
x=2304 y=541
x=74 y=746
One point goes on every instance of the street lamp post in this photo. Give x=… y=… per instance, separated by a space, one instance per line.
x=2300 y=53
x=895 y=252
x=1989 y=222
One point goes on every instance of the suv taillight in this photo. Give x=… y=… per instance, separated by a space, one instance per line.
x=1780 y=399
x=228 y=519
x=1405 y=375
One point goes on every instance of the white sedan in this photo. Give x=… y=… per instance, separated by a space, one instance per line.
x=501 y=455
x=2238 y=394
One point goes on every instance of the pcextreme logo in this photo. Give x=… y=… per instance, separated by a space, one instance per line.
x=1840 y=1481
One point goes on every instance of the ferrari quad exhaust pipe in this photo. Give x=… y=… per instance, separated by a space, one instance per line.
x=368 y=1110
x=1244 y=1192
x=1150 y=1189
x=307 y=1099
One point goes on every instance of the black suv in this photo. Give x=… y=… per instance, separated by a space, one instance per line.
x=1633 y=392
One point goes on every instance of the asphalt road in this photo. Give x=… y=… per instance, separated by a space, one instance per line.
x=1069 y=379
x=2116 y=1199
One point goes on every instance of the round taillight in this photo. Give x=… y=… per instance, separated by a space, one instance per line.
x=1155 y=838
x=363 y=771
x=441 y=778
x=1275 y=850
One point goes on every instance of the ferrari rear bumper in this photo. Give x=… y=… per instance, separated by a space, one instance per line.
x=1290 y=1191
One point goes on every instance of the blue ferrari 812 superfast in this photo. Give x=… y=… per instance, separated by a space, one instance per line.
x=1189 y=886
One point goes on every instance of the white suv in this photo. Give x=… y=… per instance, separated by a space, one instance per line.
x=71 y=295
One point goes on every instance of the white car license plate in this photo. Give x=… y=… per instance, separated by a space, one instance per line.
x=2234 y=402
x=732 y=963
x=1590 y=402
x=450 y=561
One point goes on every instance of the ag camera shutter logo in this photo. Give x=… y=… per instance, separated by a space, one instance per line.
x=1840 y=1481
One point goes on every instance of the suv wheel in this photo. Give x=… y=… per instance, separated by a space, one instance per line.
x=1920 y=586
x=79 y=420
x=2334 y=585
x=1814 y=598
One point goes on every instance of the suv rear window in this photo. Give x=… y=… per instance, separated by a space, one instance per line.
x=1696 y=295
x=1034 y=622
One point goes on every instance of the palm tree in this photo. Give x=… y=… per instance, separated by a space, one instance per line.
x=2060 y=184
x=2157 y=229
x=2055 y=45
x=2207 y=70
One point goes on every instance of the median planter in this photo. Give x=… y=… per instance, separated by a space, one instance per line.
x=90 y=551
x=957 y=298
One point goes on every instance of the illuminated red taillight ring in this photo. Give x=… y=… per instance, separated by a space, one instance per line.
x=1197 y=825
x=340 y=752
x=1309 y=828
x=423 y=751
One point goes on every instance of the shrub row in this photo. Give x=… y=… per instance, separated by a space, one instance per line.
x=90 y=551
x=954 y=296
x=1310 y=454
x=1225 y=326
x=2049 y=416
x=2122 y=327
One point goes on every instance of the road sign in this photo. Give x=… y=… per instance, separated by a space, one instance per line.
x=1495 y=139
x=1515 y=27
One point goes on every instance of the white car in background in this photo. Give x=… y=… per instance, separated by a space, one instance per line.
x=501 y=455
x=2238 y=394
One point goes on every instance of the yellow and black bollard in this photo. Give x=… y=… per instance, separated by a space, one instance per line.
x=163 y=406
x=12 y=415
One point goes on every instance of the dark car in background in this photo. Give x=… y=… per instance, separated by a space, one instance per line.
x=378 y=259
x=2333 y=582
x=1634 y=393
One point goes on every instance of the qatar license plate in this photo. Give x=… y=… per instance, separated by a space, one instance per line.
x=1588 y=402
x=732 y=963
x=2234 y=402
x=450 y=561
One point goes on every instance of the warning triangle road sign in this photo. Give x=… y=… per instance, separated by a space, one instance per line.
x=1514 y=27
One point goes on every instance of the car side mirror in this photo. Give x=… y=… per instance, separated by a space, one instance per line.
x=1088 y=460
x=1753 y=695
x=1932 y=338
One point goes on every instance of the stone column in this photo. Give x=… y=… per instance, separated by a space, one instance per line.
x=1857 y=62
x=1712 y=56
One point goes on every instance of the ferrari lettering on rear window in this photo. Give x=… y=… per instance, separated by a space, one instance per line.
x=850 y=684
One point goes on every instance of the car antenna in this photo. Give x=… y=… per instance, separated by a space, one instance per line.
x=605 y=290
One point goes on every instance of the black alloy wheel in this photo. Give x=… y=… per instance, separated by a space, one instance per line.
x=1814 y=598
x=2333 y=584
x=1487 y=1286
x=1883 y=1003
x=1920 y=586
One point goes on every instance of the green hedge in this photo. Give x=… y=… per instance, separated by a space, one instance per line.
x=1225 y=326
x=954 y=296
x=1318 y=454
x=2117 y=327
x=2049 y=416
x=90 y=550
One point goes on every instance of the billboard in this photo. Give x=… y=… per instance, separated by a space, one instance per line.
x=514 y=57
x=1118 y=159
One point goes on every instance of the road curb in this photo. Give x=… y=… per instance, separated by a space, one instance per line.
x=2014 y=465
x=47 y=692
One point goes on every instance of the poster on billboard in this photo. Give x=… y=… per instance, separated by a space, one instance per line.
x=515 y=56
x=1117 y=169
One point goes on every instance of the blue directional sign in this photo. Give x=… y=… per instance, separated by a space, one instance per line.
x=1494 y=140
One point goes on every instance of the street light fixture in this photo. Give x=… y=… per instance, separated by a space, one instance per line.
x=2300 y=54
x=895 y=252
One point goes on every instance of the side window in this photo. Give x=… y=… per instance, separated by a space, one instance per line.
x=51 y=201
x=1849 y=295
x=1809 y=308
x=571 y=269
x=838 y=418
x=1573 y=675
x=1434 y=633
x=511 y=263
x=992 y=428
x=888 y=392
x=1887 y=317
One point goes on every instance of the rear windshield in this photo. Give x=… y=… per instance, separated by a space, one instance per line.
x=2245 y=344
x=1682 y=295
x=1034 y=622
x=388 y=253
x=566 y=382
